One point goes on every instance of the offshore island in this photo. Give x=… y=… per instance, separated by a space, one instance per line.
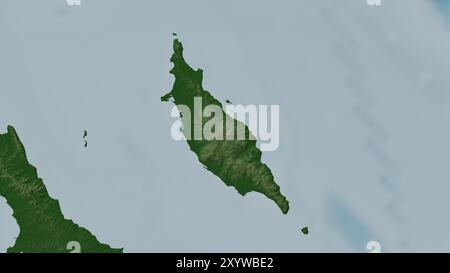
x=236 y=162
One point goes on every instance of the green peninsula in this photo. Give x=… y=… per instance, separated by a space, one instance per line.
x=43 y=228
x=236 y=162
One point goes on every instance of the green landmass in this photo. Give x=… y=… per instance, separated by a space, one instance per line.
x=43 y=228
x=236 y=162
x=305 y=230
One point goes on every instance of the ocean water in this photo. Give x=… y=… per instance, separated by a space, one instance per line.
x=364 y=120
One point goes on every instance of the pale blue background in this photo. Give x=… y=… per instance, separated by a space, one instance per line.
x=364 y=105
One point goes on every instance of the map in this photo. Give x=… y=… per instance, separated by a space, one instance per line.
x=224 y=127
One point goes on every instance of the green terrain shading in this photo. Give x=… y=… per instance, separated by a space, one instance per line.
x=236 y=162
x=41 y=222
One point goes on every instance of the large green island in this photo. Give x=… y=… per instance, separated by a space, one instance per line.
x=236 y=162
